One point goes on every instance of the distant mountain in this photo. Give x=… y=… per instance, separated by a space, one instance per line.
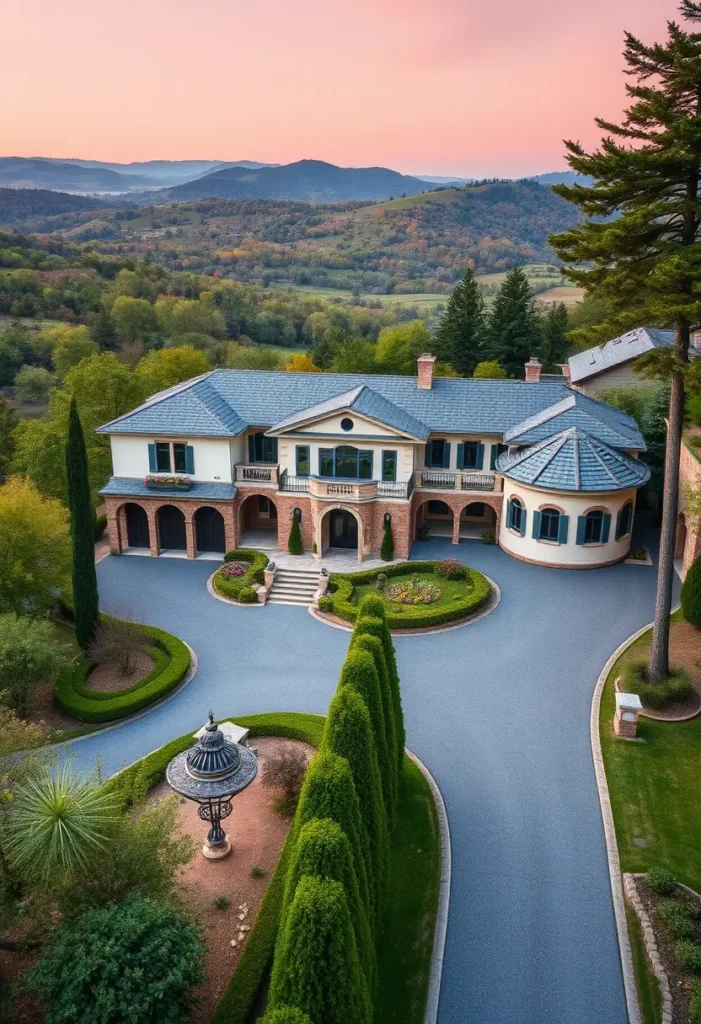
x=311 y=180
x=561 y=178
x=21 y=204
x=36 y=172
x=167 y=172
x=439 y=179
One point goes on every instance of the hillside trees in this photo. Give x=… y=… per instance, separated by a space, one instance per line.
x=34 y=549
x=460 y=335
x=513 y=330
x=169 y=366
x=647 y=173
x=554 y=347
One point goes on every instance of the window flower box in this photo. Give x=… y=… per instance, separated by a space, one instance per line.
x=165 y=482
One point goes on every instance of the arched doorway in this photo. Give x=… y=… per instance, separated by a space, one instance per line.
x=137 y=526
x=258 y=522
x=476 y=519
x=434 y=518
x=210 y=535
x=171 y=529
x=343 y=529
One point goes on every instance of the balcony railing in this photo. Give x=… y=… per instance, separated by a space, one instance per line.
x=297 y=484
x=351 y=489
x=390 y=489
x=436 y=480
x=256 y=474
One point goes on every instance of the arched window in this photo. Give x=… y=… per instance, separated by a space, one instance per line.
x=516 y=516
x=549 y=527
x=624 y=522
x=593 y=528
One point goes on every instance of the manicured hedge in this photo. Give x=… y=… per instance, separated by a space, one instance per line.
x=73 y=696
x=343 y=601
x=232 y=588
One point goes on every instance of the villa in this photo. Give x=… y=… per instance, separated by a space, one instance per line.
x=229 y=458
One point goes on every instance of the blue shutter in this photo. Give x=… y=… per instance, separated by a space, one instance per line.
x=581 y=528
x=446 y=455
x=152 y=464
x=524 y=514
x=605 y=527
x=494 y=451
x=189 y=459
x=509 y=507
x=251 y=448
x=536 y=525
x=562 y=529
x=461 y=455
x=274 y=447
x=427 y=453
x=480 y=456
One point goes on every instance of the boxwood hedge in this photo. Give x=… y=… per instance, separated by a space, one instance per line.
x=343 y=599
x=233 y=587
x=171 y=663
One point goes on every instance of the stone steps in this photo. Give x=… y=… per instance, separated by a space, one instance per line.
x=294 y=586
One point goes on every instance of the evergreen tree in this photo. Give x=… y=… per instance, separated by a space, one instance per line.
x=322 y=848
x=372 y=614
x=360 y=672
x=349 y=734
x=646 y=174
x=8 y=421
x=285 y=1015
x=294 y=543
x=691 y=594
x=317 y=968
x=373 y=644
x=387 y=548
x=329 y=792
x=103 y=331
x=85 y=599
x=513 y=328
x=460 y=335
x=553 y=327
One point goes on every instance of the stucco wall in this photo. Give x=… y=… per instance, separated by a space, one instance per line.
x=569 y=553
x=212 y=456
x=405 y=461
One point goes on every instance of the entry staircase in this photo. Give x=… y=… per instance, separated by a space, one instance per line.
x=294 y=586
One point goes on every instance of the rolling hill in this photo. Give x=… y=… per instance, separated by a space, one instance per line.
x=20 y=205
x=35 y=172
x=311 y=180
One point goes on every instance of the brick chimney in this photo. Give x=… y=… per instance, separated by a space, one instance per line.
x=533 y=368
x=566 y=372
x=424 y=369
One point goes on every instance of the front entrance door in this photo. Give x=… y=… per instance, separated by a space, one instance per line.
x=171 y=528
x=343 y=529
x=137 y=526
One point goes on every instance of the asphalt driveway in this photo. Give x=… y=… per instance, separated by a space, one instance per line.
x=499 y=711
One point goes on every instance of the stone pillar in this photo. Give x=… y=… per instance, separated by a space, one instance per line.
x=230 y=533
x=625 y=722
x=456 y=526
x=154 y=544
x=190 y=536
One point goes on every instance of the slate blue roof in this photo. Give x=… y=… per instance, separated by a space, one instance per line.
x=136 y=488
x=618 y=351
x=577 y=410
x=224 y=403
x=573 y=461
x=364 y=400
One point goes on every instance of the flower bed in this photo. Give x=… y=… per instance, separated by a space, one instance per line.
x=172 y=661
x=242 y=569
x=164 y=482
x=414 y=591
x=457 y=598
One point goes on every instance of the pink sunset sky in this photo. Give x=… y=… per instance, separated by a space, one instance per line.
x=471 y=87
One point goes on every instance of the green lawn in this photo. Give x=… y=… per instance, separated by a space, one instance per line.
x=425 y=301
x=655 y=786
x=649 y=994
x=449 y=590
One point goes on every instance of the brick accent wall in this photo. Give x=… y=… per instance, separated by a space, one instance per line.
x=117 y=521
x=456 y=503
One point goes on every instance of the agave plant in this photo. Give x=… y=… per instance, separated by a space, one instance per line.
x=59 y=819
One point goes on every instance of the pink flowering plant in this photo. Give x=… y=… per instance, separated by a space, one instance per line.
x=167 y=480
x=451 y=569
x=230 y=570
x=413 y=591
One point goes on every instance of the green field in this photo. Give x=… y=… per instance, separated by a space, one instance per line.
x=6 y=322
x=424 y=300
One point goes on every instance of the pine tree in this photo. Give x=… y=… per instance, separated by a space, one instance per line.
x=317 y=968
x=372 y=620
x=373 y=644
x=553 y=346
x=460 y=335
x=322 y=848
x=85 y=598
x=360 y=672
x=285 y=1015
x=329 y=792
x=387 y=548
x=513 y=328
x=294 y=543
x=348 y=733
x=647 y=174
x=691 y=594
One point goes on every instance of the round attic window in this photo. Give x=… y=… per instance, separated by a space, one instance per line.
x=346 y=423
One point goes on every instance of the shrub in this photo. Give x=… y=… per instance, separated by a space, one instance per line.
x=661 y=881
x=677 y=688
x=638 y=554
x=294 y=543
x=349 y=734
x=117 y=641
x=285 y=770
x=229 y=583
x=688 y=956
x=322 y=849
x=247 y=595
x=695 y=1003
x=678 y=918
x=424 y=532
x=29 y=655
x=257 y=871
x=222 y=903
x=326 y=604
x=373 y=645
x=137 y=960
x=233 y=570
x=285 y=1015
x=376 y=625
x=387 y=547
x=691 y=594
x=488 y=537
x=451 y=569
x=100 y=526
x=317 y=968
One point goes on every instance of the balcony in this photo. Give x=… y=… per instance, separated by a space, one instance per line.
x=348 y=490
x=256 y=474
x=436 y=480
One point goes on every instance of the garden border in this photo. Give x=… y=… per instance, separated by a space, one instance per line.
x=643 y=713
x=650 y=943
x=229 y=600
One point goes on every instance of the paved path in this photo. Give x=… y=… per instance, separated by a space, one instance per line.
x=499 y=711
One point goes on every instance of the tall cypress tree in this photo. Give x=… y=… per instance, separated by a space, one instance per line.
x=647 y=174
x=85 y=598
x=373 y=644
x=460 y=335
x=513 y=328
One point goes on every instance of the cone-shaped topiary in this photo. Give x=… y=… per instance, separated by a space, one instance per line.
x=329 y=792
x=285 y=1015
x=317 y=967
x=373 y=604
x=348 y=733
x=359 y=671
x=691 y=594
x=368 y=642
x=377 y=626
x=294 y=543
x=387 y=547
x=85 y=600
x=323 y=849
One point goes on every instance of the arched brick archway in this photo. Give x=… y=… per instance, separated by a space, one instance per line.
x=210 y=530
x=117 y=524
x=476 y=518
x=258 y=520
x=448 y=524
x=335 y=518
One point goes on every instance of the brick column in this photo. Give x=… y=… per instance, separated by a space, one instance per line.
x=153 y=539
x=230 y=531
x=190 y=536
x=456 y=526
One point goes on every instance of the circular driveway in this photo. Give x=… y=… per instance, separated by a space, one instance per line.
x=499 y=712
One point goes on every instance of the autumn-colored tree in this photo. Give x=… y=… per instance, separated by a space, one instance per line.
x=168 y=366
x=300 y=363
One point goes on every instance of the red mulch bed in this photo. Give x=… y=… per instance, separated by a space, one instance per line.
x=109 y=676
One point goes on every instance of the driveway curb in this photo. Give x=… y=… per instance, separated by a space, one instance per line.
x=434 y=984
